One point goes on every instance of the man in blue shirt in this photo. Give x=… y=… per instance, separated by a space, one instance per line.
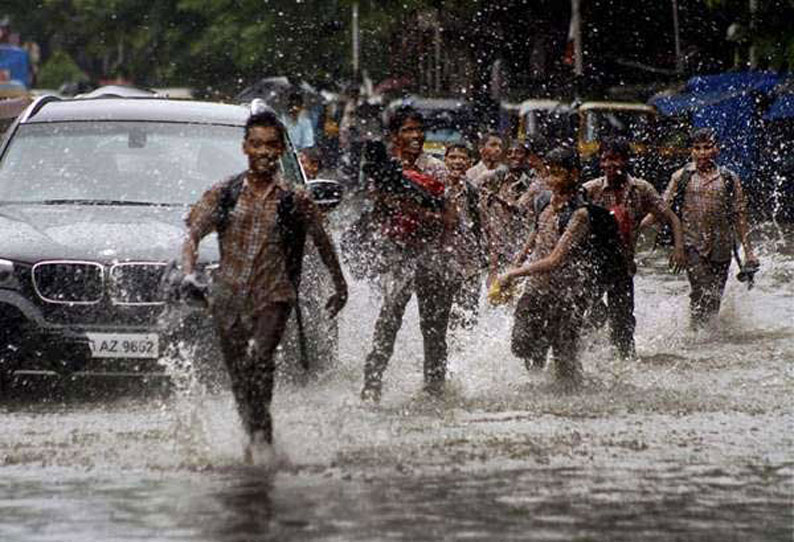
x=298 y=123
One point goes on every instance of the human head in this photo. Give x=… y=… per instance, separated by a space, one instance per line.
x=457 y=158
x=516 y=154
x=294 y=103
x=537 y=147
x=614 y=154
x=564 y=168
x=407 y=131
x=491 y=149
x=704 y=147
x=264 y=142
x=312 y=162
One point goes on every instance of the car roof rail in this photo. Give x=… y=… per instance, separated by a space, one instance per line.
x=37 y=104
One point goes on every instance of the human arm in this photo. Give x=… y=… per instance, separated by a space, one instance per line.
x=200 y=221
x=741 y=224
x=526 y=249
x=650 y=220
x=314 y=223
x=574 y=234
x=661 y=212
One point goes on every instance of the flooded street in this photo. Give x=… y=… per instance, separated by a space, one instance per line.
x=693 y=442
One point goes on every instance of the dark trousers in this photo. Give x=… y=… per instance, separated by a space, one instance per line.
x=707 y=282
x=548 y=321
x=620 y=309
x=248 y=344
x=434 y=295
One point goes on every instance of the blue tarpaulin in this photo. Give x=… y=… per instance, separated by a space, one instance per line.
x=705 y=90
x=728 y=103
x=15 y=64
x=781 y=108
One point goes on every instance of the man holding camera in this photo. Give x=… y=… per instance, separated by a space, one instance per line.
x=409 y=215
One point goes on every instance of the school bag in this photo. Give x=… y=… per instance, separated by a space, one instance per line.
x=292 y=229
x=603 y=248
x=665 y=236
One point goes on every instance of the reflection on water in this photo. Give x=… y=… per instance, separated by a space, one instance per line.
x=693 y=442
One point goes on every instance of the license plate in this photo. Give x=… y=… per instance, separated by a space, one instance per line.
x=124 y=345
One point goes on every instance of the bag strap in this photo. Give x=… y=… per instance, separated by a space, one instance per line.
x=680 y=192
x=230 y=193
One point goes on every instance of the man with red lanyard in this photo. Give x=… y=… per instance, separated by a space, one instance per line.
x=629 y=199
x=411 y=233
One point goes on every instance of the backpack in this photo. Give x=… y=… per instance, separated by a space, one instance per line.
x=665 y=236
x=603 y=248
x=292 y=229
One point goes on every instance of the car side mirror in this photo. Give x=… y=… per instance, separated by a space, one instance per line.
x=325 y=193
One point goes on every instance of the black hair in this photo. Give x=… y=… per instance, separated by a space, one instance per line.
x=516 y=142
x=268 y=119
x=615 y=145
x=564 y=157
x=295 y=98
x=488 y=135
x=461 y=146
x=703 y=135
x=403 y=114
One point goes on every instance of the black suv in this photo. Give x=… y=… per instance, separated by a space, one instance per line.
x=93 y=193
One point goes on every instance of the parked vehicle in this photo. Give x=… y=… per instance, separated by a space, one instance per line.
x=92 y=198
x=446 y=121
x=658 y=147
x=548 y=118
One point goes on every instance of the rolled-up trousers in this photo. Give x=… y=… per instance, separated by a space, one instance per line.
x=434 y=295
x=707 y=282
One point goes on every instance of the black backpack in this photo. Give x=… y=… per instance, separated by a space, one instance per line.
x=292 y=228
x=665 y=236
x=603 y=248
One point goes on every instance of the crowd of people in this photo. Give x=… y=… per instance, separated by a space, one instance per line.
x=521 y=216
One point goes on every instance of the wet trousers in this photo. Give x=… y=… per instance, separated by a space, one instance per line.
x=545 y=321
x=620 y=310
x=434 y=295
x=248 y=344
x=707 y=283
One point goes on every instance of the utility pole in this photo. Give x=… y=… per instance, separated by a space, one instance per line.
x=437 y=55
x=354 y=24
x=576 y=30
x=753 y=52
x=679 y=61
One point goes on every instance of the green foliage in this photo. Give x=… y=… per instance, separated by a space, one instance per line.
x=227 y=44
x=60 y=69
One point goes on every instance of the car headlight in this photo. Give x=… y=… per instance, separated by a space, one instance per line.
x=8 y=278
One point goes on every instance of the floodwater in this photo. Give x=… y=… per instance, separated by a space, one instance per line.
x=693 y=442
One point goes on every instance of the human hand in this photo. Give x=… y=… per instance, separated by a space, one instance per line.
x=678 y=260
x=192 y=290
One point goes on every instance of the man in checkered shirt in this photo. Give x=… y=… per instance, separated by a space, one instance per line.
x=713 y=217
x=256 y=286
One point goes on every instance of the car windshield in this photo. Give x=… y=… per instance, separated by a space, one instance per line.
x=122 y=162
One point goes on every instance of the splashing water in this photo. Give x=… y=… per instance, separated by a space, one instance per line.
x=691 y=441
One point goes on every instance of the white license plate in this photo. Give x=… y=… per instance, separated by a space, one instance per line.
x=124 y=345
